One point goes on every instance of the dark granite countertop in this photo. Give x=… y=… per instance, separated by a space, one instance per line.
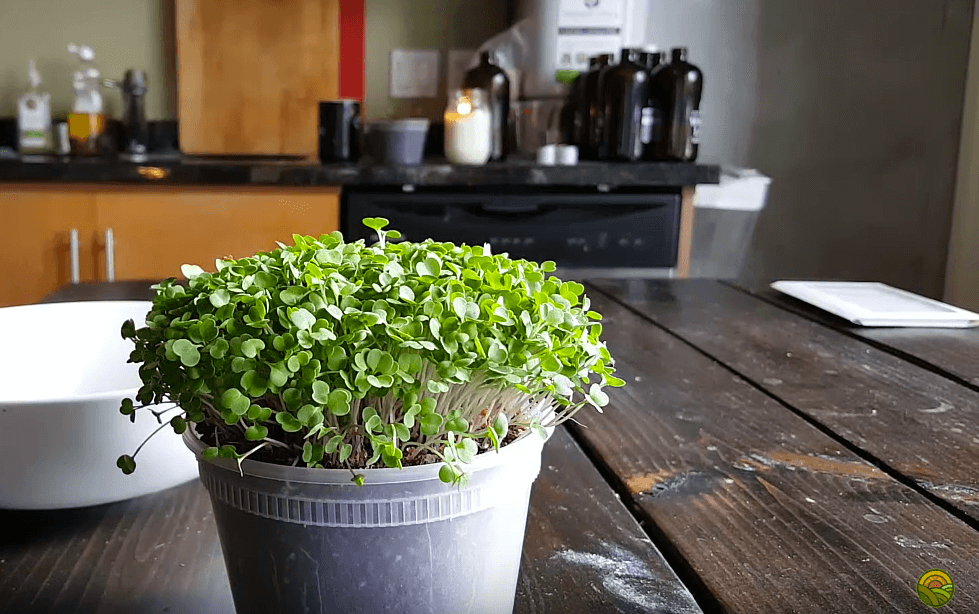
x=189 y=171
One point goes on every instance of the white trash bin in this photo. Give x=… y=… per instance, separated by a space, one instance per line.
x=724 y=222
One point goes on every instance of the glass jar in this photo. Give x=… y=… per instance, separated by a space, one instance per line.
x=468 y=127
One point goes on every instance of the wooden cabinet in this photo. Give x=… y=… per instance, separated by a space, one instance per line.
x=155 y=230
x=35 y=230
x=251 y=72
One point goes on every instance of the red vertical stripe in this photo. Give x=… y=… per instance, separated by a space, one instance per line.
x=352 y=49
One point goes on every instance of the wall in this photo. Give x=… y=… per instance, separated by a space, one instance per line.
x=962 y=280
x=124 y=33
x=853 y=108
x=421 y=24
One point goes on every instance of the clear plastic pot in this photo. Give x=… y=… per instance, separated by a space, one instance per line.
x=310 y=540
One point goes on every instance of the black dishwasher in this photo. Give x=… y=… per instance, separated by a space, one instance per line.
x=629 y=234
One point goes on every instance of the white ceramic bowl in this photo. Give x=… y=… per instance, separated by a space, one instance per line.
x=63 y=375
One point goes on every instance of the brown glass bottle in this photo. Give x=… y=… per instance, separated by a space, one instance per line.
x=570 y=118
x=655 y=130
x=493 y=80
x=680 y=86
x=625 y=93
x=592 y=109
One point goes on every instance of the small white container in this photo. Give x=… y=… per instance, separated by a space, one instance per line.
x=547 y=155
x=468 y=125
x=567 y=155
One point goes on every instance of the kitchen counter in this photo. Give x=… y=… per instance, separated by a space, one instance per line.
x=188 y=171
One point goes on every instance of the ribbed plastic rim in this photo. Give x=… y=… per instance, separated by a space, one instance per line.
x=527 y=444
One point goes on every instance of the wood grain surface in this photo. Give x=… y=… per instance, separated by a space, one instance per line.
x=583 y=553
x=157 y=553
x=769 y=513
x=251 y=72
x=951 y=351
x=914 y=422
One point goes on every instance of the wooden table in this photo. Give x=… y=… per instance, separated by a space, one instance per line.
x=762 y=458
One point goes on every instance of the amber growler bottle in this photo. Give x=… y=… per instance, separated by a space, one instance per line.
x=592 y=110
x=654 y=123
x=625 y=95
x=680 y=84
x=492 y=79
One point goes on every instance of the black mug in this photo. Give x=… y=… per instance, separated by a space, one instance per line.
x=339 y=131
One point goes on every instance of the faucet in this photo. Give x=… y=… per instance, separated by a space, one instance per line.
x=137 y=133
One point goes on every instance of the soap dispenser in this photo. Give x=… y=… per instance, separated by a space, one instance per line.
x=86 y=122
x=34 y=117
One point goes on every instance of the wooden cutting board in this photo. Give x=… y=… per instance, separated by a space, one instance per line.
x=251 y=72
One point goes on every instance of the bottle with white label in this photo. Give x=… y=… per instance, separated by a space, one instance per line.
x=34 y=117
x=680 y=86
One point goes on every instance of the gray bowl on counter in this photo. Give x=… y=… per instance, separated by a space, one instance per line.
x=396 y=141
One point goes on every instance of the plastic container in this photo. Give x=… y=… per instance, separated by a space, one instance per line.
x=724 y=222
x=397 y=141
x=309 y=540
x=63 y=375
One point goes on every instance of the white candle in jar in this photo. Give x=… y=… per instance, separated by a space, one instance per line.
x=467 y=132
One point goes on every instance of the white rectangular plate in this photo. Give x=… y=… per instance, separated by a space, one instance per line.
x=877 y=304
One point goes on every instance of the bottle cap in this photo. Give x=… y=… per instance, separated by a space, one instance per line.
x=84 y=52
x=33 y=76
x=679 y=54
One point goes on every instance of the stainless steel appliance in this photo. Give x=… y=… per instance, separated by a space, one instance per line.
x=617 y=234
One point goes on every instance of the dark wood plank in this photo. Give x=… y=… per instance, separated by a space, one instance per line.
x=583 y=552
x=916 y=422
x=157 y=553
x=954 y=352
x=771 y=514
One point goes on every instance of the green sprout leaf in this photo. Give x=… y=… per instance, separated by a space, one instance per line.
x=256 y=433
x=128 y=329
x=219 y=298
x=447 y=474
x=179 y=425
x=288 y=422
x=375 y=223
x=187 y=351
x=303 y=319
x=596 y=396
x=127 y=463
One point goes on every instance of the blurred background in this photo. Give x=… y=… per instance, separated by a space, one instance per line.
x=862 y=114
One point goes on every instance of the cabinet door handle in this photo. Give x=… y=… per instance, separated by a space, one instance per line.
x=110 y=255
x=73 y=254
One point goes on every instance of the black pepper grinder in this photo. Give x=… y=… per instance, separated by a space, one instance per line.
x=493 y=80
x=680 y=84
x=625 y=96
x=591 y=107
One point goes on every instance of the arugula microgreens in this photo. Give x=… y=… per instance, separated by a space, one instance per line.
x=347 y=355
